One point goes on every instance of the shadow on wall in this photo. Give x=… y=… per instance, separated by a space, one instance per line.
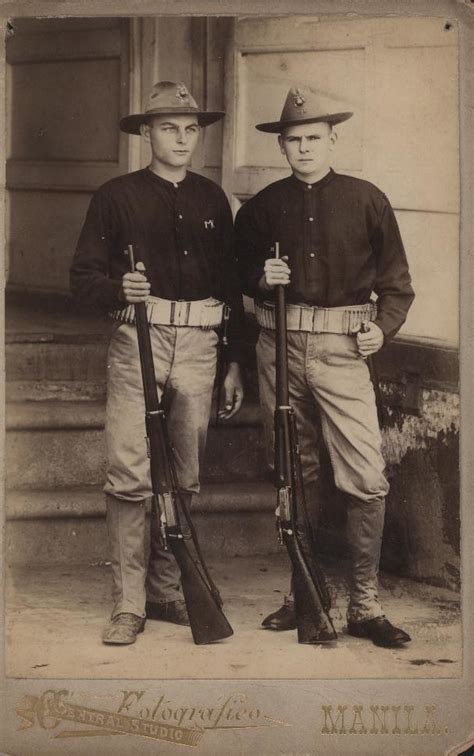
x=422 y=528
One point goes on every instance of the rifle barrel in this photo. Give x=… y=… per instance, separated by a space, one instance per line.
x=208 y=622
x=314 y=624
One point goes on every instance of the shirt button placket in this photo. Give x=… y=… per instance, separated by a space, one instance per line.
x=179 y=218
x=312 y=226
x=309 y=224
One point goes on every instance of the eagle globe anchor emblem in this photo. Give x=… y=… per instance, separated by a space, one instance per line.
x=182 y=93
x=299 y=100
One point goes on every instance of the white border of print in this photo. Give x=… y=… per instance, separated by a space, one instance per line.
x=295 y=718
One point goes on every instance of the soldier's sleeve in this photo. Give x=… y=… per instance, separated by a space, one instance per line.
x=393 y=282
x=232 y=292
x=89 y=274
x=248 y=244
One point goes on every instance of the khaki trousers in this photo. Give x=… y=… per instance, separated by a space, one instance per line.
x=185 y=365
x=333 y=398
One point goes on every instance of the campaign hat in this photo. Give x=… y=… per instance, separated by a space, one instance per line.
x=303 y=105
x=169 y=98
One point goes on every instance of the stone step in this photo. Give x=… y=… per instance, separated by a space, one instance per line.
x=68 y=525
x=44 y=457
x=94 y=390
x=53 y=360
x=64 y=357
x=88 y=413
x=20 y=391
x=89 y=501
x=49 y=458
x=54 y=414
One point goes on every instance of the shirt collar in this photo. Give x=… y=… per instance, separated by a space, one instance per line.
x=302 y=185
x=165 y=182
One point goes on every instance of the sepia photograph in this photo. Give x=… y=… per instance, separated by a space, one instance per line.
x=234 y=506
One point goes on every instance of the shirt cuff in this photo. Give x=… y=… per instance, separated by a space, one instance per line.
x=236 y=352
x=111 y=293
x=387 y=334
x=253 y=289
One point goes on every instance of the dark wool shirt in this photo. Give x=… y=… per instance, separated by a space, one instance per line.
x=342 y=243
x=182 y=232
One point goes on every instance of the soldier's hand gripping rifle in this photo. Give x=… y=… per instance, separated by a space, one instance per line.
x=312 y=600
x=202 y=598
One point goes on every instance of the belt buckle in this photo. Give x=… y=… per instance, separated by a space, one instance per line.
x=315 y=326
x=177 y=312
x=305 y=318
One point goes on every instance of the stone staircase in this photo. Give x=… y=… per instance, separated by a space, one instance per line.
x=55 y=456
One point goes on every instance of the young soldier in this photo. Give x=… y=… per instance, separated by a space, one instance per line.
x=340 y=242
x=180 y=226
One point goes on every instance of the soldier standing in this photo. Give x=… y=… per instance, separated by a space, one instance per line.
x=340 y=244
x=180 y=226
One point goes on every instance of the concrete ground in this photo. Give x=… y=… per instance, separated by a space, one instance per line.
x=55 y=617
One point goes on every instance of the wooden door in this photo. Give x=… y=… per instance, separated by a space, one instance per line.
x=67 y=86
x=399 y=77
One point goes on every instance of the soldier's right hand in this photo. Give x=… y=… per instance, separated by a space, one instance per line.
x=275 y=272
x=135 y=288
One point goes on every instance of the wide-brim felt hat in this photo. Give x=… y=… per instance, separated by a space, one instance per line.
x=169 y=98
x=303 y=105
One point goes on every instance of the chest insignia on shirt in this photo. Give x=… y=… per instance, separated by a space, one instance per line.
x=209 y=223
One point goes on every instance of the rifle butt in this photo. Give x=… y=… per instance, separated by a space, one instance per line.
x=208 y=622
x=313 y=623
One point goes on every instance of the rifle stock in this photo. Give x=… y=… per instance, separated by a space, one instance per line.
x=203 y=602
x=312 y=600
x=208 y=623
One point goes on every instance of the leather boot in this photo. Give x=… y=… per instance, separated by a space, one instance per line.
x=380 y=631
x=283 y=619
x=122 y=630
x=364 y=537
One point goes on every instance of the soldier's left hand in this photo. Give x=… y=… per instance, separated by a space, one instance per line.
x=233 y=392
x=371 y=341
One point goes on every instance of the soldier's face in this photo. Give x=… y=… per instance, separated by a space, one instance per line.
x=172 y=139
x=308 y=148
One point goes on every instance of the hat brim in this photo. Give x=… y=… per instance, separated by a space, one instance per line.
x=131 y=124
x=276 y=127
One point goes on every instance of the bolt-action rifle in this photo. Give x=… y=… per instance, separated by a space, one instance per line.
x=312 y=599
x=203 y=601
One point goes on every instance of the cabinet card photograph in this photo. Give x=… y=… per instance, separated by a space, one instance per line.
x=237 y=320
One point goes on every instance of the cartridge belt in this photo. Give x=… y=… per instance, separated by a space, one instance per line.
x=200 y=313
x=300 y=317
